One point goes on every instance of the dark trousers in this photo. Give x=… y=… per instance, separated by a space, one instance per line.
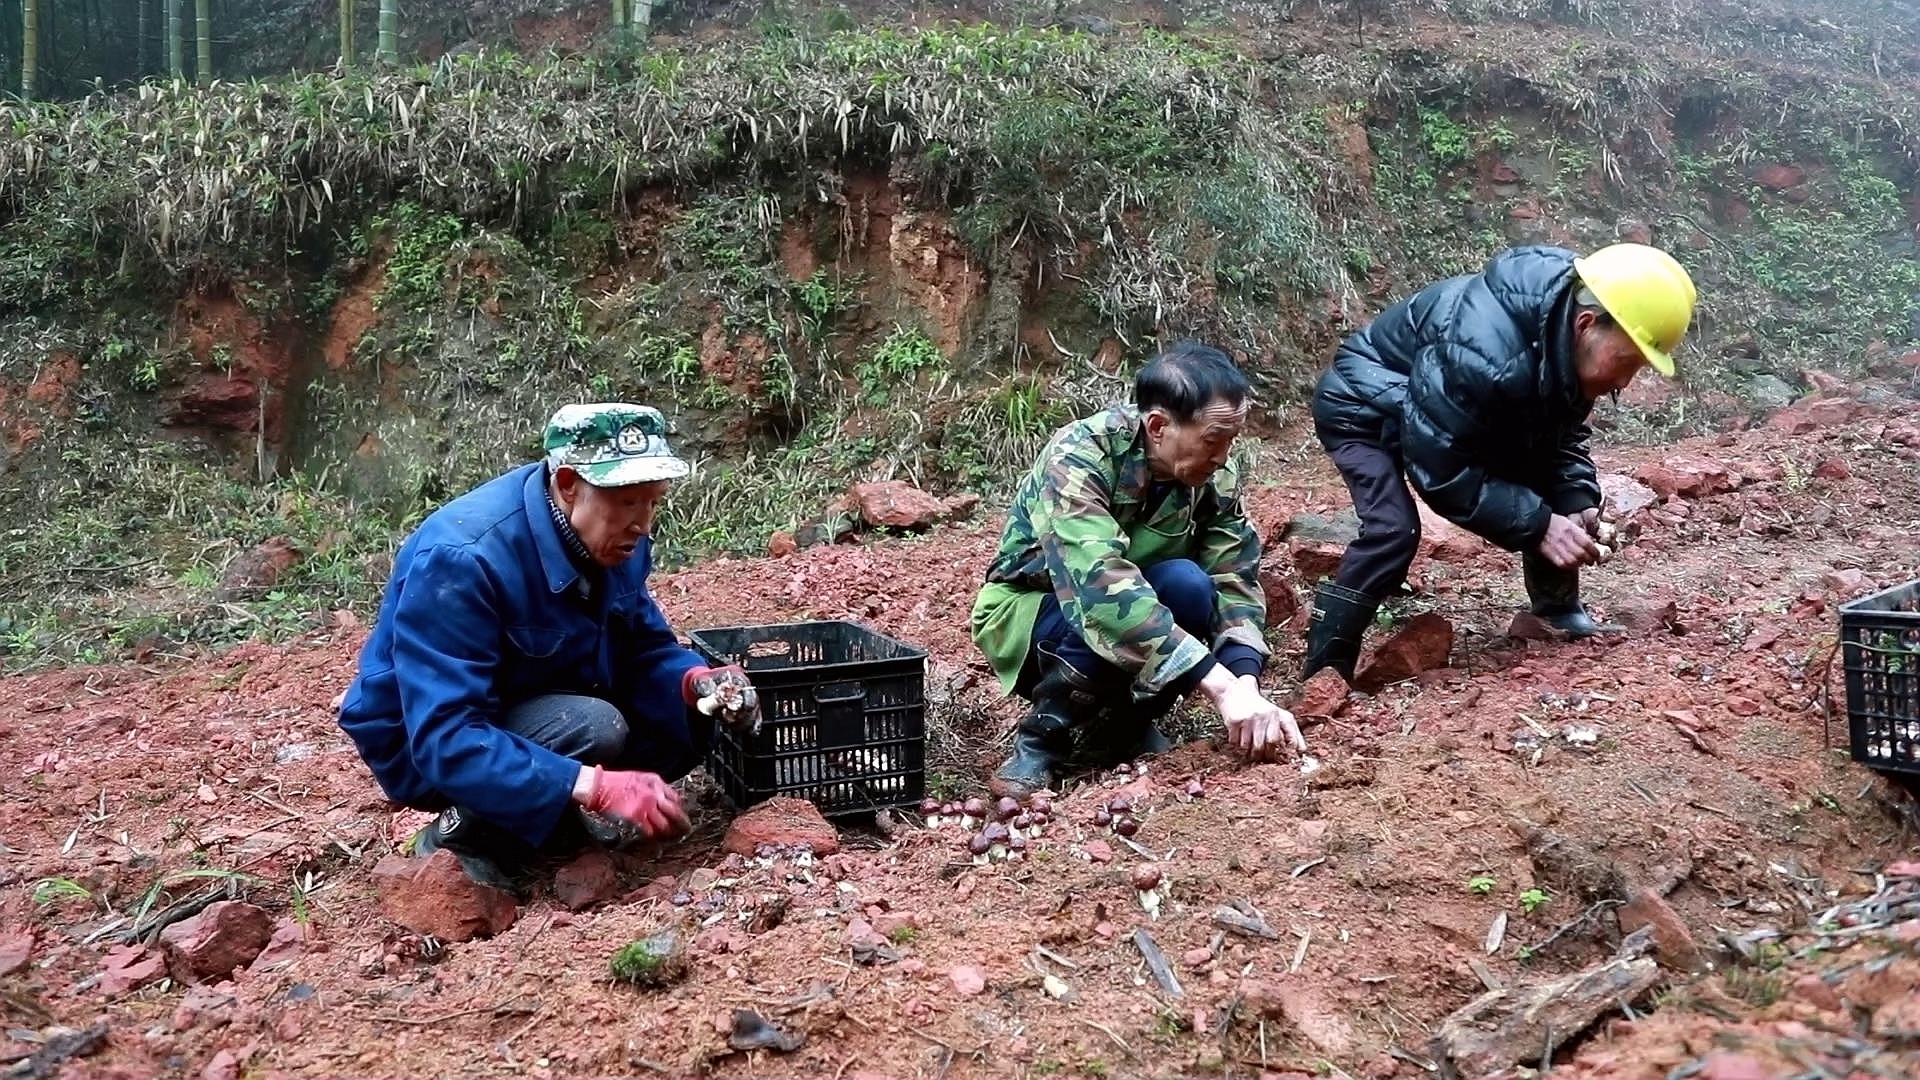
x=1186 y=590
x=1376 y=564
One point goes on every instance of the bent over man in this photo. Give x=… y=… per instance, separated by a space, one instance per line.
x=1478 y=389
x=1127 y=576
x=520 y=673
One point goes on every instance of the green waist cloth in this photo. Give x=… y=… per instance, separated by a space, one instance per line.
x=1002 y=625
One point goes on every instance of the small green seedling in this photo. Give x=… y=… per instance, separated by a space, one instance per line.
x=1532 y=900
x=1480 y=884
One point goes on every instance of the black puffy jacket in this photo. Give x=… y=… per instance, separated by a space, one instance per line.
x=1470 y=382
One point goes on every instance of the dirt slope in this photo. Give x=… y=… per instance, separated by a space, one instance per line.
x=1445 y=802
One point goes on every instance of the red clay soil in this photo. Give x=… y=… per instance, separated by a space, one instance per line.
x=1445 y=801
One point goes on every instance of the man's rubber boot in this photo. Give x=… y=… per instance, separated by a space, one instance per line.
x=1044 y=739
x=1125 y=732
x=1340 y=620
x=484 y=850
x=1555 y=596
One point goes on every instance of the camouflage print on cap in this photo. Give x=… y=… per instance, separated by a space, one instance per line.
x=613 y=444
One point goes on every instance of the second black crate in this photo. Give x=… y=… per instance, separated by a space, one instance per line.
x=1880 y=651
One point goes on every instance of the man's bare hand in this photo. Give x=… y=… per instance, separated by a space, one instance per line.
x=1254 y=724
x=1568 y=543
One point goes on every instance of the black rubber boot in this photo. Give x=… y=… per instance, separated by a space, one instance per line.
x=1124 y=732
x=1555 y=596
x=1340 y=620
x=1044 y=739
x=485 y=851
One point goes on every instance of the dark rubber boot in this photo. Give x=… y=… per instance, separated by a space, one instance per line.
x=485 y=852
x=1555 y=596
x=1044 y=739
x=1340 y=620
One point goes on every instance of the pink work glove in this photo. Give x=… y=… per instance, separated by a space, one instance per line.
x=726 y=692
x=639 y=797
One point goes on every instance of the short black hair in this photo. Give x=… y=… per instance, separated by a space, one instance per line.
x=1187 y=378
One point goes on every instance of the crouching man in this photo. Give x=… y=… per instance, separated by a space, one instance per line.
x=1128 y=575
x=520 y=673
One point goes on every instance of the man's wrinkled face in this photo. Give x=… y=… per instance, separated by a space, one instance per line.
x=611 y=521
x=1604 y=357
x=1191 y=452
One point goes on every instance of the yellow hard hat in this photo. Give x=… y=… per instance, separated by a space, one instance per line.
x=1646 y=292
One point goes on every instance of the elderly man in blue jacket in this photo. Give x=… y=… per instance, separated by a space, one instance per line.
x=1477 y=389
x=520 y=673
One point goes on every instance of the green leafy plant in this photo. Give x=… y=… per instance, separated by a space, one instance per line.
x=1533 y=900
x=1480 y=884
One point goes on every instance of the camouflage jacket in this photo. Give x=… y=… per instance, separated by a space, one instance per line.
x=1080 y=528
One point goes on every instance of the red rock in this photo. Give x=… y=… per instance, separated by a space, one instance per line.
x=896 y=504
x=1817 y=992
x=1322 y=697
x=586 y=881
x=968 y=981
x=1526 y=626
x=1421 y=645
x=1726 y=1066
x=1646 y=615
x=1832 y=468
x=224 y=1065
x=782 y=822
x=1504 y=173
x=1687 y=475
x=1672 y=940
x=288 y=941
x=16 y=951
x=1777 y=177
x=222 y=401
x=889 y=923
x=435 y=896
x=1314 y=559
x=1902 y=869
x=1825 y=383
x=1099 y=851
x=126 y=967
x=1624 y=496
x=781 y=544
x=960 y=507
x=1318 y=1020
x=1808 y=415
x=261 y=568
x=1898 y=1018
x=1742 y=706
x=1846 y=583
x=1444 y=542
x=226 y=936
x=1197 y=957
x=1283 y=603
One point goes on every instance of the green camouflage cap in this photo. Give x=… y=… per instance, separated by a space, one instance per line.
x=613 y=444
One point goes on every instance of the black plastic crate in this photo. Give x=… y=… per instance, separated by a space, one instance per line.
x=1880 y=649
x=844 y=716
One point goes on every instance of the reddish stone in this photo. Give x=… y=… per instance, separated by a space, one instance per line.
x=781 y=544
x=1632 y=231
x=1444 y=542
x=1624 y=496
x=1817 y=992
x=1846 y=583
x=1778 y=177
x=1099 y=851
x=896 y=504
x=1672 y=940
x=781 y=822
x=960 y=507
x=1832 y=468
x=968 y=981
x=1322 y=697
x=209 y=946
x=1808 y=415
x=16 y=950
x=260 y=568
x=1762 y=472
x=1504 y=173
x=1687 y=475
x=1315 y=559
x=1647 y=615
x=434 y=896
x=288 y=941
x=586 y=881
x=1725 y=1066
x=223 y=402
x=1283 y=603
x=1421 y=645
x=1825 y=383
x=126 y=967
x=1526 y=626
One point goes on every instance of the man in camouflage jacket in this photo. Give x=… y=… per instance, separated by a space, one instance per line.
x=1127 y=577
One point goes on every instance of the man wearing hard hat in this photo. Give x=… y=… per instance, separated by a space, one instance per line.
x=1477 y=390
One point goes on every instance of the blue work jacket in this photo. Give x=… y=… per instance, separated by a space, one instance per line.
x=481 y=613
